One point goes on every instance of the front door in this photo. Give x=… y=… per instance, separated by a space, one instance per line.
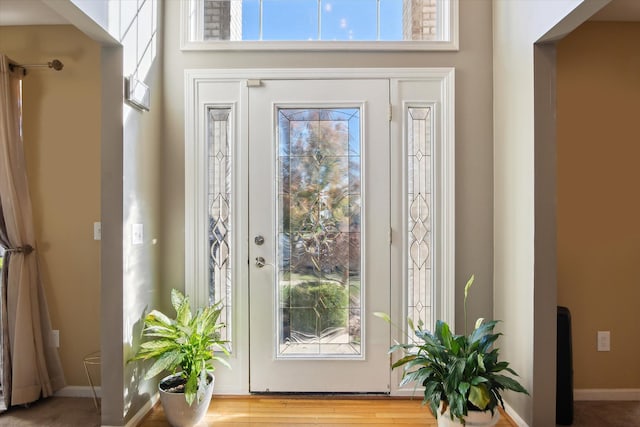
x=319 y=227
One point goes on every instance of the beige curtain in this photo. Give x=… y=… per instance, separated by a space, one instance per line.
x=34 y=365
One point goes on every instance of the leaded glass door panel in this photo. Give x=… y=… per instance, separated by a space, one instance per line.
x=319 y=235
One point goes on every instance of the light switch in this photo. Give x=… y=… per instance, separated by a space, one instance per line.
x=137 y=234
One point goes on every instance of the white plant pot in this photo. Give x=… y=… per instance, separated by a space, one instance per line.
x=177 y=410
x=473 y=419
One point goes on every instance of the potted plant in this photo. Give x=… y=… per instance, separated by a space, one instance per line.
x=184 y=346
x=462 y=377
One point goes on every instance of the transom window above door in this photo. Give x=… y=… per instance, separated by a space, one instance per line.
x=320 y=24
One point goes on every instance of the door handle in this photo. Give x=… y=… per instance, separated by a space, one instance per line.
x=259 y=240
x=260 y=262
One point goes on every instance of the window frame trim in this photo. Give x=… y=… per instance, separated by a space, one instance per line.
x=448 y=21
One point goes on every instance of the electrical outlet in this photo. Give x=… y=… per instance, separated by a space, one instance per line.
x=97 y=231
x=604 y=341
x=55 y=338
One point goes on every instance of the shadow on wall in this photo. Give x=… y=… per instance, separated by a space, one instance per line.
x=136 y=371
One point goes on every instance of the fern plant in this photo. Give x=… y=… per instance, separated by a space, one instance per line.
x=462 y=372
x=189 y=343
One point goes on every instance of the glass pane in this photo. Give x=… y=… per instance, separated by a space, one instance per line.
x=250 y=17
x=219 y=199
x=349 y=20
x=391 y=19
x=319 y=240
x=419 y=19
x=289 y=20
x=309 y=20
x=419 y=198
x=217 y=20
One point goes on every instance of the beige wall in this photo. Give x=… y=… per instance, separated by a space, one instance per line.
x=62 y=144
x=598 y=204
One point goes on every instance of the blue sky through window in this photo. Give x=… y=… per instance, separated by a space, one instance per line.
x=326 y=20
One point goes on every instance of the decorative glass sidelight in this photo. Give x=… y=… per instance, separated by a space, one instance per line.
x=219 y=205
x=319 y=234
x=419 y=203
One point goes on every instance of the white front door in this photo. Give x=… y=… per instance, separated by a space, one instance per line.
x=319 y=227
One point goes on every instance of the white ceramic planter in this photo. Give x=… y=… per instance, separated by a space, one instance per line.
x=473 y=419
x=176 y=409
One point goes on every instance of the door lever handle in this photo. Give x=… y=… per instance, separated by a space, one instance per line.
x=260 y=262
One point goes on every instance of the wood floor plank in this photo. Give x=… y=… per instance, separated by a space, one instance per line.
x=267 y=411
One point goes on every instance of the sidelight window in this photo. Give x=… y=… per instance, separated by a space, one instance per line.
x=219 y=168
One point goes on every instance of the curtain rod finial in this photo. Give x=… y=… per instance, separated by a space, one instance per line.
x=56 y=65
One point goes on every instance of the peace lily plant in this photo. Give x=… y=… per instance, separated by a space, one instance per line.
x=185 y=345
x=459 y=373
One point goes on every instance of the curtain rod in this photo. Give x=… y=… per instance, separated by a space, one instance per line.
x=55 y=64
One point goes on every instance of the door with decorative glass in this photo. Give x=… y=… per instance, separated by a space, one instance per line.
x=309 y=206
x=319 y=218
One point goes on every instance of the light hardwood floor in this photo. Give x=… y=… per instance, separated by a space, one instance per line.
x=272 y=411
x=80 y=412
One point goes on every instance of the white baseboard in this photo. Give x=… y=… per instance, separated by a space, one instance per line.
x=606 y=394
x=514 y=415
x=135 y=420
x=78 y=391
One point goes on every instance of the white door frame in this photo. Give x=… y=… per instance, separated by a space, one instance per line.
x=199 y=93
